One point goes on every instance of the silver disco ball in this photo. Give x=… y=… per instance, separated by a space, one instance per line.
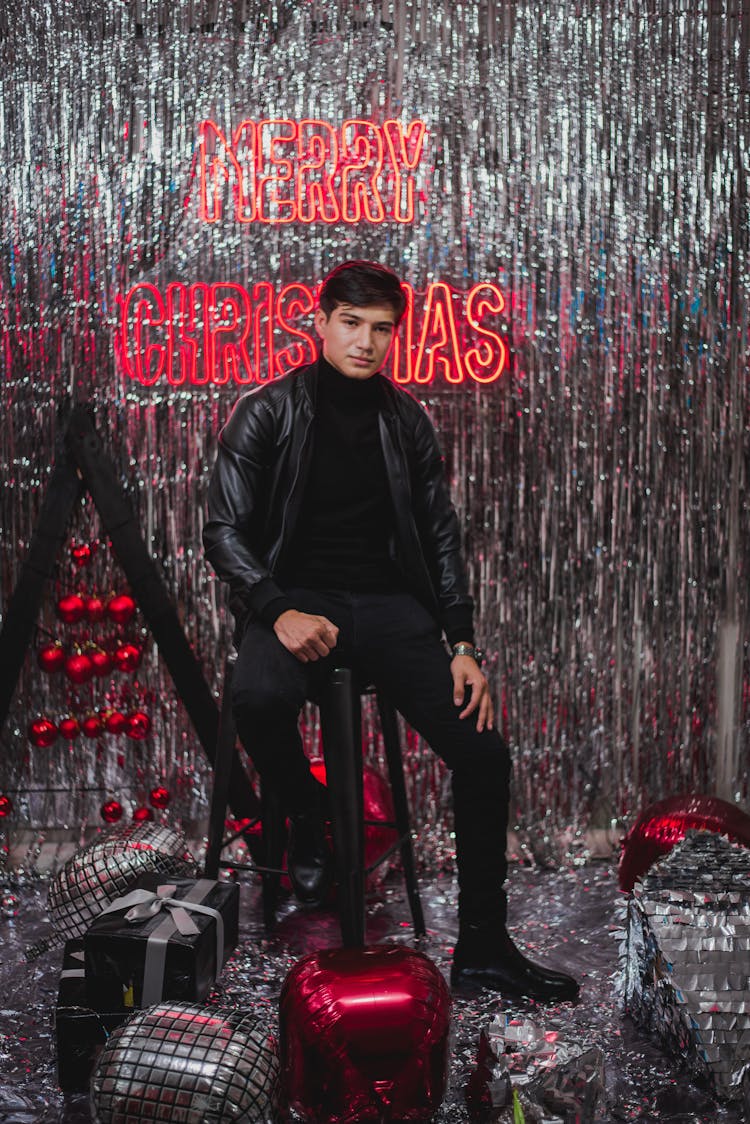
x=181 y=1061
x=105 y=870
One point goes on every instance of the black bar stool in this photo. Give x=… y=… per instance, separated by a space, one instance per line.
x=340 y=717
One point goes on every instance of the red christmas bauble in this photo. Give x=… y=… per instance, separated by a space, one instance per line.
x=365 y=1035
x=92 y=726
x=6 y=806
x=79 y=668
x=140 y=815
x=111 y=811
x=51 y=657
x=69 y=728
x=114 y=721
x=666 y=822
x=71 y=609
x=138 y=725
x=159 y=797
x=101 y=662
x=128 y=657
x=120 y=608
x=81 y=553
x=96 y=609
x=43 y=732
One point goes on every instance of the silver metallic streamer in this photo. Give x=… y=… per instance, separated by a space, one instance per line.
x=592 y=157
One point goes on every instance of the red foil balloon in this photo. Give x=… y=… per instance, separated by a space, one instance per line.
x=128 y=657
x=114 y=721
x=6 y=806
x=665 y=823
x=96 y=609
x=79 y=668
x=378 y=805
x=101 y=662
x=111 y=811
x=364 y=1035
x=138 y=725
x=43 y=733
x=121 y=608
x=69 y=728
x=159 y=797
x=92 y=726
x=51 y=657
x=140 y=815
x=71 y=609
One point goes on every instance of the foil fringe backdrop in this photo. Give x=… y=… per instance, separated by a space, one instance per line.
x=593 y=157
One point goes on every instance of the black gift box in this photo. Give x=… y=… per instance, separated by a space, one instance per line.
x=81 y=1032
x=121 y=953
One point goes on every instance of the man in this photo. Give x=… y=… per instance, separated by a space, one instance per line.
x=331 y=521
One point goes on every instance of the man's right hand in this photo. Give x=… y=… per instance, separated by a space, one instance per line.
x=306 y=636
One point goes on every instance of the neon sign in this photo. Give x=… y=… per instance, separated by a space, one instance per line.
x=201 y=334
x=307 y=171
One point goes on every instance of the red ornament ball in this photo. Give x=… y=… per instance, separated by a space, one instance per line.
x=6 y=806
x=81 y=553
x=51 y=657
x=101 y=662
x=95 y=609
x=92 y=726
x=114 y=721
x=121 y=608
x=43 y=733
x=71 y=609
x=79 y=668
x=160 y=796
x=111 y=811
x=128 y=657
x=69 y=728
x=142 y=814
x=138 y=725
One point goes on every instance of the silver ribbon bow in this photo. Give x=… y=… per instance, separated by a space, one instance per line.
x=140 y=905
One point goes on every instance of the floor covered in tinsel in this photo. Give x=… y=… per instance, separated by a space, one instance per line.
x=566 y=918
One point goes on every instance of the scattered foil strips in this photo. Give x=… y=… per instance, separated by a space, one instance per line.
x=554 y=1080
x=686 y=957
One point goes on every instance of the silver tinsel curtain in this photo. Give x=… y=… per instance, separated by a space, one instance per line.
x=590 y=159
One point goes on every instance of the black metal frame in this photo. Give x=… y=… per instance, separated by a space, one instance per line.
x=82 y=465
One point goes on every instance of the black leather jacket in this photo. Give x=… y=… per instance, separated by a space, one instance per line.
x=259 y=481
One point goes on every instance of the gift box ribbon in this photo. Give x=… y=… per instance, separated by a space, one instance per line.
x=140 y=905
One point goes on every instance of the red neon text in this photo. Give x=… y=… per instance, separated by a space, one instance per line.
x=199 y=334
x=282 y=171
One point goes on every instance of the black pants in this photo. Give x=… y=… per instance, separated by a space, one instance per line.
x=392 y=641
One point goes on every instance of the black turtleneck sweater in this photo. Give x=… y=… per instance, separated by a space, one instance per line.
x=341 y=541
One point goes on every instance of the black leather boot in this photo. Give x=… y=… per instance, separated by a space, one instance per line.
x=485 y=956
x=309 y=856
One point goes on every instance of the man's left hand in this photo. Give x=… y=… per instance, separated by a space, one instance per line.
x=467 y=676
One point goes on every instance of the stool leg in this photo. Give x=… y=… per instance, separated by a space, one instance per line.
x=392 y=743
x=273 y=820
x=342 y=748
x=225 y=744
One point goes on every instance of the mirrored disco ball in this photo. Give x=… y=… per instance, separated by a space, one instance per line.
x=180 y=1061
x=104 y=870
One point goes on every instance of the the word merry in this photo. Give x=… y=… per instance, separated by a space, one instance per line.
x=281 y=171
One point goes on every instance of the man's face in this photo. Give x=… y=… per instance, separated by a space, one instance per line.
x=356 y=340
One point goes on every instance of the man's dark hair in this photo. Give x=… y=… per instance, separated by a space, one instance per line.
x=362 y=283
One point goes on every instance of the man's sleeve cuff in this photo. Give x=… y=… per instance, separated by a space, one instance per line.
x=458 y=625
x=268 y=602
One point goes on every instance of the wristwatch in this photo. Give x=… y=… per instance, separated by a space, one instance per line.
x=464 y=649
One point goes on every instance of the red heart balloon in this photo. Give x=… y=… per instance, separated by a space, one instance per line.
x=665 y=823
x=364 y=1035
